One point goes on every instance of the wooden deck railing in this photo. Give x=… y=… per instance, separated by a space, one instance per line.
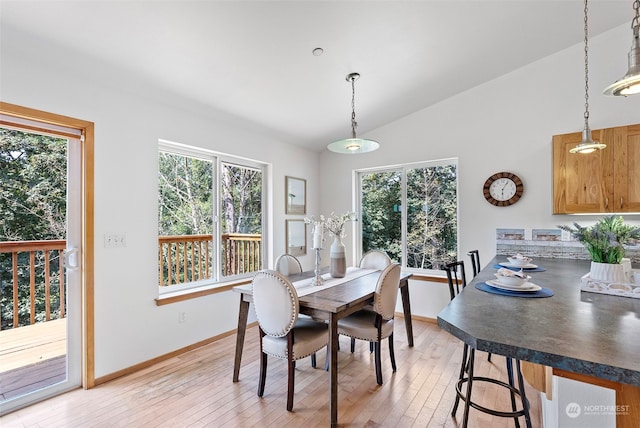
x=187 y=258
x=40 y=264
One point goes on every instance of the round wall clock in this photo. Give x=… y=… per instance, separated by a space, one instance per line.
x=503 y=189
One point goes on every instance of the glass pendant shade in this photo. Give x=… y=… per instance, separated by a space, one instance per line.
x=353 y=146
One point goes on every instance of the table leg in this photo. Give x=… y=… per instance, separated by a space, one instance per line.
x=243 y=314
x=406 y=306
x=333 y=369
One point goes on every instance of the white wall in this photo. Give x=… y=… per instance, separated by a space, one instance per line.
x=129 y=327
x=505 y=124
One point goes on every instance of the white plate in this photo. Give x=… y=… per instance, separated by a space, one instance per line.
x=528 y=288
x=528 y=266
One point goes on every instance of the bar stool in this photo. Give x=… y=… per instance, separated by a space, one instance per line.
x=457 y=281
x=475 y=264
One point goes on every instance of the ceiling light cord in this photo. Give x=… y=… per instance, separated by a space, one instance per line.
x=587 y=145
x=586 y=66
x=354 y=124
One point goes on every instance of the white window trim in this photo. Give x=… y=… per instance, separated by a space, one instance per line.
x=357 y=192
x=217 y=158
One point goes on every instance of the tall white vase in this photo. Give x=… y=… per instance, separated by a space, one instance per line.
x=607 y=272
x=338 y=260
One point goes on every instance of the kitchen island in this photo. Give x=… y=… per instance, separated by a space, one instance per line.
x=594 y=336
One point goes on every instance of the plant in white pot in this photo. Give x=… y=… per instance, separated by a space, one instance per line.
x=605 y=242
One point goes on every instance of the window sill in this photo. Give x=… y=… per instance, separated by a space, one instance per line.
x=195 y=293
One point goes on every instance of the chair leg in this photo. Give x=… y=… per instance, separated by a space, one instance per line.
x=467 y=401
x=313 y=360
x=326 y=361
x=378 y=359
x=463 y=369
x=512 y=384
x=525 y=402
x=392 y=353
x=353 y=345
x=290 y=385
x=489 y=357
x=263 y=374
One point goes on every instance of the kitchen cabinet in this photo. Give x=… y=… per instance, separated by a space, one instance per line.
x=605 y=181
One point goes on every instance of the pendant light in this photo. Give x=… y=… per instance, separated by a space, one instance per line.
x=630 y=83
x=587 y=145
x=354 y=144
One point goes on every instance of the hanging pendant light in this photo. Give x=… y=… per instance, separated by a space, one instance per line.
x=354 y=144
x=630 y=83
x=587 y=145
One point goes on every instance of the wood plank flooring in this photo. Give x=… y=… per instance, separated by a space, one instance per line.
x=195 y=390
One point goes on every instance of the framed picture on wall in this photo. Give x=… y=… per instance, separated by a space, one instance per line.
x=296 y=195
x=296 y=231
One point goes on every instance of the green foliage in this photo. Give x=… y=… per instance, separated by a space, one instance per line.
x=431 y=204
x=606 y=239
x=33 y=173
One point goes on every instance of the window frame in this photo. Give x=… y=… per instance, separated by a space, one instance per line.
x=403 y=168
x=217 y=159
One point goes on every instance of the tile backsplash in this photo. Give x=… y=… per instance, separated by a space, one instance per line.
x=552 y=243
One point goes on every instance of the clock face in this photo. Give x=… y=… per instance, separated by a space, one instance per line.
x=503 y=189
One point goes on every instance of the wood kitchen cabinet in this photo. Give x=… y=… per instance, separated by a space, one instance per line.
x=605 y=181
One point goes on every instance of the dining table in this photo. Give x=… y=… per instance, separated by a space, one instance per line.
x=579 y=335
x=333 y=299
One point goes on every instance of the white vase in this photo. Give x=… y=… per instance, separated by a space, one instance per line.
x=607 y=272
x=338 y=260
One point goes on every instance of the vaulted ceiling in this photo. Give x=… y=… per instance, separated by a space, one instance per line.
x=251 y=62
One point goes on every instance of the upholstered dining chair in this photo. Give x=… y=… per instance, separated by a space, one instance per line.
x=375 y=259
x=377 y=324
x=286 y=264
x=282 y=334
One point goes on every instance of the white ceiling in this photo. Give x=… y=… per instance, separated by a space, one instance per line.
x=252 y=62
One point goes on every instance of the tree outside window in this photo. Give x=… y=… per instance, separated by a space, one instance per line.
x=209 y=217
x=411 y=213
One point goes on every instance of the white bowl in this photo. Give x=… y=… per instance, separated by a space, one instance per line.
x=517 y=261
x=513 y=281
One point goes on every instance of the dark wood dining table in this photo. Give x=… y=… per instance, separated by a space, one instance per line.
x=330 y=304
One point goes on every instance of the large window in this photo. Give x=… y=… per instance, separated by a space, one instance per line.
x=210 y=222
x=411 y=212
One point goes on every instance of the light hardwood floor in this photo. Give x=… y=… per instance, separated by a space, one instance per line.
x=195 y=390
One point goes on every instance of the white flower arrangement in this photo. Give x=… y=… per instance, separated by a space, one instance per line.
x=334 y=223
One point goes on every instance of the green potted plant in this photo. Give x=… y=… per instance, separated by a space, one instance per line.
x=605 y=242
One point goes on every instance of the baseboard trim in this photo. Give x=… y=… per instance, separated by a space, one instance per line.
x=148 y=363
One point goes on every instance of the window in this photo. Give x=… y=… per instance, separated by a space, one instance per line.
x=210 y=222
x=423 y=236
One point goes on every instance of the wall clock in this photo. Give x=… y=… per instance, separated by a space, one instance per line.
x=503 y=189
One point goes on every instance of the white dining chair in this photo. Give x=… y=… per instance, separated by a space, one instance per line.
x=282 y=334
x=286 y=264
x=375 y=259
x=377 y=324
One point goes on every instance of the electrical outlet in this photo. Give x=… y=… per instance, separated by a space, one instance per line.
x=182 y=317
x=115 y=240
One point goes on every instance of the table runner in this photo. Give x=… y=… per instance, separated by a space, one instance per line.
x=304 y=287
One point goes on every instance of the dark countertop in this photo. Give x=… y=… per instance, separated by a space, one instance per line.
x=581 y=332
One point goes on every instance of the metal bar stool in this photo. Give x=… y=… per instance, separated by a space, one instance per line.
x=475 y=264
x=457 y=281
